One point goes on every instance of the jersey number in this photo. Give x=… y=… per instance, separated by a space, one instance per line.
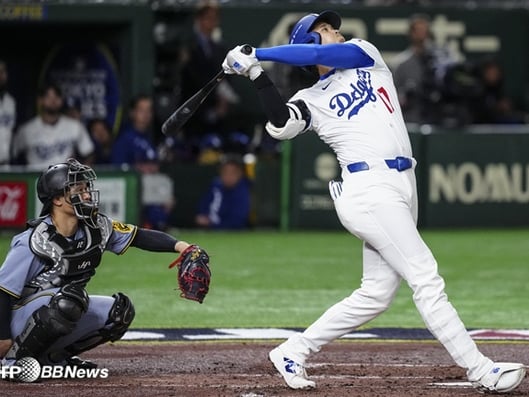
x=383 y=94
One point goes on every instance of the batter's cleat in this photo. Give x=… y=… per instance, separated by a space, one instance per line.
x=78 y=362
x=292 y=372
x=502 y=378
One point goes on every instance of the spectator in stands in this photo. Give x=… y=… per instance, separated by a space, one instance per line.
x=134 y=147
x=418 y=73
x=226 y=204
x=51 y=137
x=101 y=135
x=493 y=106
x=7 y=116
x=205 y=52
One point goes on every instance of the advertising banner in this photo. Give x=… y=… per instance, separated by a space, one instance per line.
x=477 y=180
x=119 y=195
x=13 y=208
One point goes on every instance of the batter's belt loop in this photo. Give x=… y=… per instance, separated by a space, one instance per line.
x=399 y=163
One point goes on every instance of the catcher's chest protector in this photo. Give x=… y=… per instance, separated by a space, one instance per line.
x=70 y=261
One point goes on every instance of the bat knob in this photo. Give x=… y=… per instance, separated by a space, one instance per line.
x=246 y=49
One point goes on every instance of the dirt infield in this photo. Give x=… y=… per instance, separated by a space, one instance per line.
x=241 y=369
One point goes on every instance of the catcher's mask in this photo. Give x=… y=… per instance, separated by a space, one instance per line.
x=75 y=182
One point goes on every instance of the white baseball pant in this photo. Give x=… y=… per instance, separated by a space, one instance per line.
x=379 y=206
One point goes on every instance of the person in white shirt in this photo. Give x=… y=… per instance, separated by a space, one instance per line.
x=354 y=108
x=52 y=137
x=8 y=113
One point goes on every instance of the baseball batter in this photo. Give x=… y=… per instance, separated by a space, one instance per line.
x=45 y=311
x=353 y=107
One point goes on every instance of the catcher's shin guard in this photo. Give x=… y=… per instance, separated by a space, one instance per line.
x=48 y=323
x=119 y=319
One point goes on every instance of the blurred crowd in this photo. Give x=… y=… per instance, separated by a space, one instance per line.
x=434 y=88
x=213 y=136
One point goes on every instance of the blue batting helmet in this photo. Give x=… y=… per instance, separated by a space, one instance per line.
x=302 y=31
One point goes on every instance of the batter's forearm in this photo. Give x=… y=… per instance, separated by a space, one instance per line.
x=273 y=104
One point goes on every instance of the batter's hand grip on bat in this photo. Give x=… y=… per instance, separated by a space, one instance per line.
x=246 y=49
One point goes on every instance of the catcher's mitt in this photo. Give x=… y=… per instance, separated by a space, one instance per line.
x=193 y=273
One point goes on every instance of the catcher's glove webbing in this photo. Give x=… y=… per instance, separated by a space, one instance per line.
x=193 y=273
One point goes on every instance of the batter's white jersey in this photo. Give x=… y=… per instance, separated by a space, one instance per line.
x=46 y=144
x=7 y=123
x=357 y=113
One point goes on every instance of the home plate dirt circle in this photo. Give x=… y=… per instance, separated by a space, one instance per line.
x=241 y=369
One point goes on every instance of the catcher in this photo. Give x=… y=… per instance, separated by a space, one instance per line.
x=45 y=311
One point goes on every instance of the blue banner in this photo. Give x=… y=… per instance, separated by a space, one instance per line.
x=88 y=76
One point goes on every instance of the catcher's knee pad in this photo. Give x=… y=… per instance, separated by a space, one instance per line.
x=71 y=302
x=49 y=323
x=119 y=318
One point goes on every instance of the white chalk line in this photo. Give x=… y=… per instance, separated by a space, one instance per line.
x=160 y=383
x=396 y=365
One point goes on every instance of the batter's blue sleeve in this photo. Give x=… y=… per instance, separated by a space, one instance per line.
x=343 y=55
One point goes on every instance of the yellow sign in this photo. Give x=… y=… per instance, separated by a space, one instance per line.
x=32 y=12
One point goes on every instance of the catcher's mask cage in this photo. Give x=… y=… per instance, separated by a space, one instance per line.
x=75 y=182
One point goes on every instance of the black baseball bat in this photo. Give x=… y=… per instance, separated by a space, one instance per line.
x=181 y=115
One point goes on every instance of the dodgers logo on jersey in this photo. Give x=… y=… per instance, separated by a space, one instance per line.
x=361 y=94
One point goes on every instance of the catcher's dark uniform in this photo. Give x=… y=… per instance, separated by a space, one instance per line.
x=45 y=274
x=44 y=306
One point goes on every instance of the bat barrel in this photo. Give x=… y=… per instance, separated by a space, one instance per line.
x=181 y=115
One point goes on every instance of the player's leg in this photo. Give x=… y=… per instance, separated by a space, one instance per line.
x=379 y=286
x=47 y=317
x=107 y=319
x=388 y=223
x=402 y=246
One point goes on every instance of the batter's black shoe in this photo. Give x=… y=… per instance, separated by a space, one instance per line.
x=78 y=362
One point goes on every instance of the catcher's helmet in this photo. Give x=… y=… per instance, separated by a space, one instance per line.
x=57 y=181
x=302 y=32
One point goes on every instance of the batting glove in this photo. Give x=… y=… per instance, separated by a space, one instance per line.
x=242 y=61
